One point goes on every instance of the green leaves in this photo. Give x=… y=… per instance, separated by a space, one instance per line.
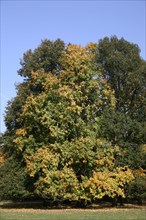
x=122 y=67
x=13 y=184
x=78 y=125
x=46 y=57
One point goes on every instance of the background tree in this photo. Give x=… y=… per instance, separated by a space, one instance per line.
x=14 y=181
x=125 y=70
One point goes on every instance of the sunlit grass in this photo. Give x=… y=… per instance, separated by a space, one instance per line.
x=107 y=214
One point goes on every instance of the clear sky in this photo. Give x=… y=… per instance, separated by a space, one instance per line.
x=25 y=23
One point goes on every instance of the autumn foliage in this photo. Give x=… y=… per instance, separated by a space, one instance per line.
x=67 y=135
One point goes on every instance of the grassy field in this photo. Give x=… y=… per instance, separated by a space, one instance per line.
x=73 y=214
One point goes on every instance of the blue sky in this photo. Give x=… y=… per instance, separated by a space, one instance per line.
x=25 y=23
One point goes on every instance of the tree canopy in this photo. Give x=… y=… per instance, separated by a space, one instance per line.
x=77 y=125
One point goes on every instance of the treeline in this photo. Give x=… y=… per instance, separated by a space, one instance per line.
x=76 y=129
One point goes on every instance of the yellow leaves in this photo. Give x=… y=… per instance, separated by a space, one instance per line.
x=100 y=162
x=76 y=60
x=105 y=156
x=107 y=94
x=21 y=131
x=139 y=172
x=91 y=47
x=75 y=108
x=61 y=183
x=35 y=75
x=2 y=158
x=124 y=175
x=20 y=140
x=74 y=50
x=143 y=149
x=66 y=92
x=50 y=82
x=109 y=183
x=29 y=105
x=42 y=160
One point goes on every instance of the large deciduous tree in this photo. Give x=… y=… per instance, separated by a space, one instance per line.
x=59 y=134
x=77 y=121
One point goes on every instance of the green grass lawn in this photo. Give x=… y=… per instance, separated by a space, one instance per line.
x=107 y=214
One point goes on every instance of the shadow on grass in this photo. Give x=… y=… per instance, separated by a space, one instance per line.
x=53 y=205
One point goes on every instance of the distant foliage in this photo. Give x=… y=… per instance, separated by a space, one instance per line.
x=13 y=180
